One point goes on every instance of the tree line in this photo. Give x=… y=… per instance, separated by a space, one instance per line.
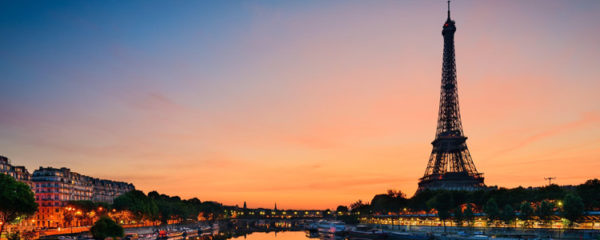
x=161 y=207
x=498 y=205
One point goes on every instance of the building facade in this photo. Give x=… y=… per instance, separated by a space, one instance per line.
x=55 y=187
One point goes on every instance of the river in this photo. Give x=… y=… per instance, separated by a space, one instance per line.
x=286 y=235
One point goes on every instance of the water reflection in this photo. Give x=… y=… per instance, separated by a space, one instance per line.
x=296 y=235
x=277 y=235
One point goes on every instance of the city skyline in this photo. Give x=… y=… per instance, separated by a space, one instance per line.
x=306 y=105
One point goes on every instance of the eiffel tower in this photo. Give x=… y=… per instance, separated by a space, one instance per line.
x=450 y=165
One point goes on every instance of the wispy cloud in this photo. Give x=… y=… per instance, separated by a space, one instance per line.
x=586 y=119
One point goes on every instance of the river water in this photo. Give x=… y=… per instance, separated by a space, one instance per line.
x=287 y=235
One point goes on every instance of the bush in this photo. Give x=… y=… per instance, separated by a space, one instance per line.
x=106 y=227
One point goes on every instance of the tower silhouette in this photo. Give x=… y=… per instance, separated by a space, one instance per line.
x=450 y=165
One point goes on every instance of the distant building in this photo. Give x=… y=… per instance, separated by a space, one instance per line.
x=19 y=173
x=107 y=190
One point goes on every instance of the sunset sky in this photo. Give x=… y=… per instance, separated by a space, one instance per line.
x=309 y=104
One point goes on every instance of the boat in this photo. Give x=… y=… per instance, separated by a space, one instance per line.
x=205 y=229
x=174 y=234
x=366 y=232
x=131 y=236
x=313 y=227
x=333 y=227
x=162 y=235
x=312 y=234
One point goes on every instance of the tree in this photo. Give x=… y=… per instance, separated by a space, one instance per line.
x=459 y=217
x=392 y=201
x=419 y=201
x=508 y=214
x=572 y=208
x=138 y=203
x=16 y=200
x=442 y=203
x=86 y=205
x=68 y=217
x=342 y=208
x=545 y=211
x=359 y=207
x=211 y=210
x=552 y=191
x=526 y=213
x=469 y=215
x=106 y=227
x=382 y=203
x=491 y=210
x=590 y=194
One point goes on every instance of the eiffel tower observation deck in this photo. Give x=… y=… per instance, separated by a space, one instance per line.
x=450 y=165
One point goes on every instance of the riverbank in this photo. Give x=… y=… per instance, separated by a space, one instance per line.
x=457 y=233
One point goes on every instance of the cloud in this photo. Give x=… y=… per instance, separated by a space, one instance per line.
x=585 y=120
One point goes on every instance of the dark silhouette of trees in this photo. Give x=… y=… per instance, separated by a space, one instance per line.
x=419 y=201
x=489 y=200
x=140 y=205
x=573 y=207
x=105 y=227
x=360 y=208
x=342 y=209
x=590 y=194
x=442 y=203
x=211 y=210
x=526 y=213
x=458 y=217
x=393 y=201
x=16 y=200
x=469 y=215
x=87 y=205
x=545 y=211
x=162 y=207
x=508 y=214
x=491 y=210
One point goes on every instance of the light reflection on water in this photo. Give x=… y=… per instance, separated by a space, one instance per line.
x=291 y=235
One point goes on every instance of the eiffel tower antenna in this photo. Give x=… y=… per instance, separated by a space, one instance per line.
x=448 y=9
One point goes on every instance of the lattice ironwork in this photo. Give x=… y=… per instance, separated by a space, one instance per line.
x=450 y=165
